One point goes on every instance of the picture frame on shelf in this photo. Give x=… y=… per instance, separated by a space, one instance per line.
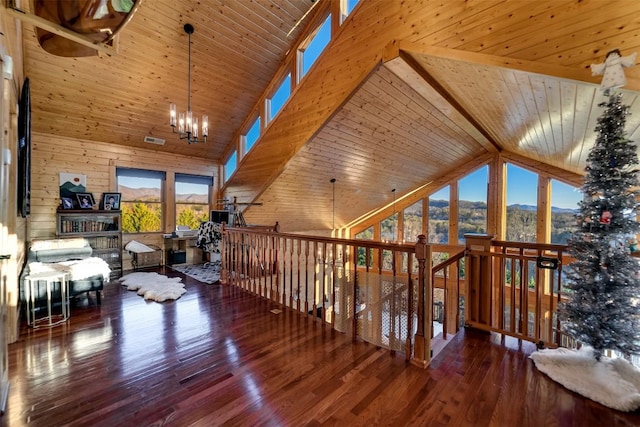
x=110 y=201
x=85 y=200
x=66 y=202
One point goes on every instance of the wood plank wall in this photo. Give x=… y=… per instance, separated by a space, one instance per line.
x=14 y=227
x=98 y=162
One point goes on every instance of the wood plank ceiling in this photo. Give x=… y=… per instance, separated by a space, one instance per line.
x=467 y=79
x=236 y=49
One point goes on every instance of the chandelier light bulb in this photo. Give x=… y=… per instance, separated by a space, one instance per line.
x=172 y=115
x=189 y=122
x=181 y=123
x=205 y=126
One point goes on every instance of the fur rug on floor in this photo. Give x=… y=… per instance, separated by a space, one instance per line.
x=615 y=383
x=154 y=286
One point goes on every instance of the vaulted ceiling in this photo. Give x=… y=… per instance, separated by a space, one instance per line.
x=404 y=94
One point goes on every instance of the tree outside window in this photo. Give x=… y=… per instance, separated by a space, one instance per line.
x=141 y=201
x=192 y=200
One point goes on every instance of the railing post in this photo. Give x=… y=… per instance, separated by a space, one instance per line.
x=478 y=269
x=422 y=349
x=224 y=266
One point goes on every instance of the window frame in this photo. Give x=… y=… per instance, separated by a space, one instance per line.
x=142 y=174
x=183 y=178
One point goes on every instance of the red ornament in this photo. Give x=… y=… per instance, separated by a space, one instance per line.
x=605 y=218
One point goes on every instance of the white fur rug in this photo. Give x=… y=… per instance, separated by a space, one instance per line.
x=612 y=382
x=154 y=286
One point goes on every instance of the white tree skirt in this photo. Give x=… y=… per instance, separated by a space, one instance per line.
x=615 y=383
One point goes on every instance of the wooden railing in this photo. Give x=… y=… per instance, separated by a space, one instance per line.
x=389 y=294
x=452 y=292
x=514 y=288
x=374 y=290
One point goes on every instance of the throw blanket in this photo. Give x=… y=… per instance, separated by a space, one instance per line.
x=43 y=245
x=138 y=248
x=76 y=269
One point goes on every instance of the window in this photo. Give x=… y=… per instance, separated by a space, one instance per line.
x=280 y=97
x=141 y=201
x=412 y=222
x=472 y=203
x=349 y=5
x=564 y=207
x=192 y=199
x=230 y=166
x=522 y=204
x=316 y=45
x=252 y=136
x=439 y=216
x=362 y=252
x=388 y=233
x=389 y=228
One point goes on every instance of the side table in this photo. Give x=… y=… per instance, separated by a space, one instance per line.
x=53 y=297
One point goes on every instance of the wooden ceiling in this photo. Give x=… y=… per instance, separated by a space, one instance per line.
x=236 y=49
x=406 y=93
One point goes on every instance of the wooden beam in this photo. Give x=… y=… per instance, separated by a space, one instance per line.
x=407 y=68
x=110 y=48
x=536 y=67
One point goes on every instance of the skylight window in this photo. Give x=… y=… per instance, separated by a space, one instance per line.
x=230 y=166
x=252 y=136
x=316 y=46
x=280 y=97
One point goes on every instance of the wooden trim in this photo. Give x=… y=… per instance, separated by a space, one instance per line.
x=536 y=67
x=543 y=226
x=110 y=47
x=410 y=71
x=543 y=168
x=453 y=212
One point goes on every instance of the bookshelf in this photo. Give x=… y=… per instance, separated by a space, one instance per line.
x=101 y=228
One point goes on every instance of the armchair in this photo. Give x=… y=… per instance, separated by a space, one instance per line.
x=209 y=238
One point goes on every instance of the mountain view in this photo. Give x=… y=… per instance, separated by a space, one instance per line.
x=472 y=218
x=142 y=210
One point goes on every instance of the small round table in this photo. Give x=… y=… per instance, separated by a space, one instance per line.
x=53 y=297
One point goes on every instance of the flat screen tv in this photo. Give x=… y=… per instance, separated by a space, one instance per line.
x=219 y=217
x=24 y=151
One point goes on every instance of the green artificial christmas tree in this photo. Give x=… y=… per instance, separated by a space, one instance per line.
x=603 y=285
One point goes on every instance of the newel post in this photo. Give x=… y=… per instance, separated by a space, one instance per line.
x=478 y=271
x=422 y=349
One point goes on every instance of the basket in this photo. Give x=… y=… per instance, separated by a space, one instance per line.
x=147 y=259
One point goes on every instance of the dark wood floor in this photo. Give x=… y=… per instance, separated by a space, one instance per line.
x=219 y=356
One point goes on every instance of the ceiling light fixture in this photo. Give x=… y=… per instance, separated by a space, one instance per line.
x=187 y=124
x=333 y=203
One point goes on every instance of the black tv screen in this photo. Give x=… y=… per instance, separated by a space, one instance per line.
x=24 y=151
x=219 y=217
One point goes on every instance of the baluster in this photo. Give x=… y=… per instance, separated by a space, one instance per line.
x=298 y=251
x=410 y=285
x=306 y=277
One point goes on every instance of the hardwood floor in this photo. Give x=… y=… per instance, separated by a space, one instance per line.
x=220 y=356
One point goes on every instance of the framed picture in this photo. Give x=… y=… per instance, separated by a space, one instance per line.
x=85 y=200
x=67 y=203
x=111 y=201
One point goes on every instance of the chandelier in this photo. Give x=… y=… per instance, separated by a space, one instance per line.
x=186 y=123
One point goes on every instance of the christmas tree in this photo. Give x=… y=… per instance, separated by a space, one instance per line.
x=603 y=286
